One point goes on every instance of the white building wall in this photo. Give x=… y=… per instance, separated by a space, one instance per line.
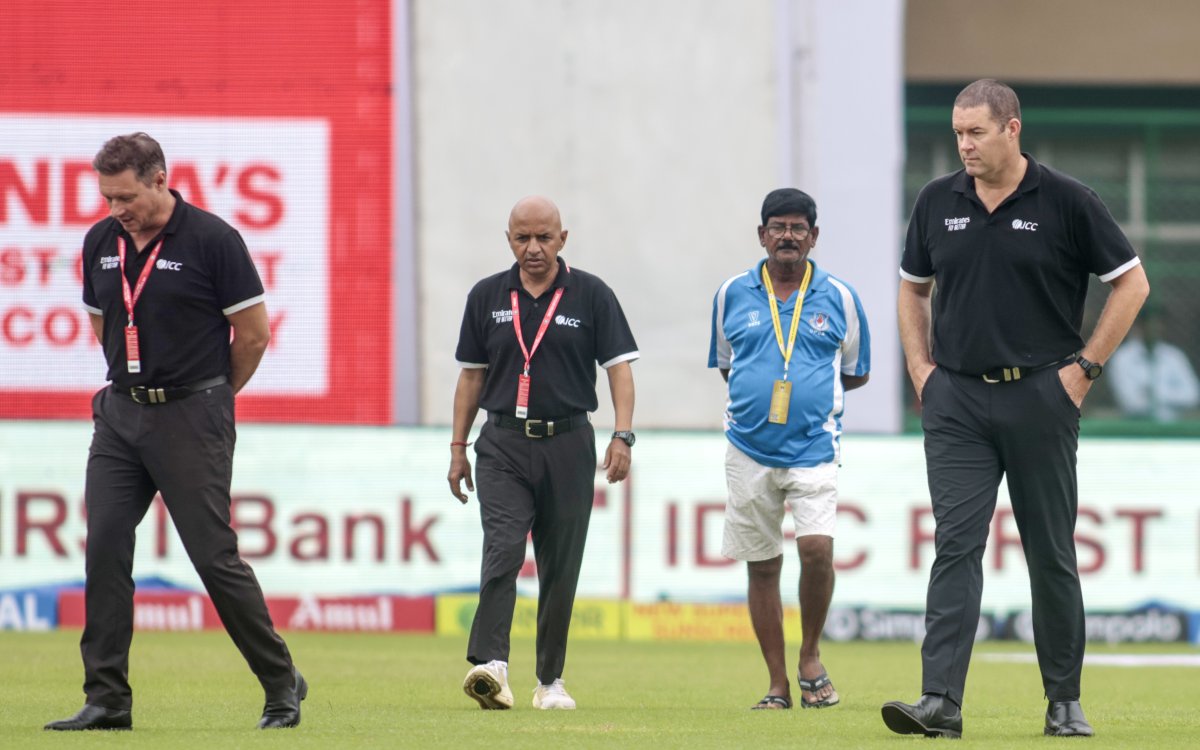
x=658 y=126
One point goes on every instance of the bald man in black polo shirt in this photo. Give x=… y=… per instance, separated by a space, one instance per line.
x=1010 y=245
x=530 y=341
x=164 y=282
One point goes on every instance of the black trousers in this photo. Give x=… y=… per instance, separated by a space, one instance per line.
x=545 y=486
x=975 y=433
x=183 y=449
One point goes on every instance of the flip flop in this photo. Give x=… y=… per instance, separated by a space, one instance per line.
x=772 y=702
x=812 y=686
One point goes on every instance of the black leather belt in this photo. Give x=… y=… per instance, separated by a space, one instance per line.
x=1010 y=374
x=147 y=396
x=540 y=428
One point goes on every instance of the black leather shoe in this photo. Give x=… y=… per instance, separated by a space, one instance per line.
x=93 y=717
x=1065 y=719
x=282 y=711
x=932 y=716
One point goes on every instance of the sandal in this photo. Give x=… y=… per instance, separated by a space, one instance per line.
x=772 y=702
x=812 y=686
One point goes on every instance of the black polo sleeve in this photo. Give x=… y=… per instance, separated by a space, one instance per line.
x=234 y=276
x=614 y=339
x=1101 y=243
x=916 y=263
x=90 y=245
x=472 y=345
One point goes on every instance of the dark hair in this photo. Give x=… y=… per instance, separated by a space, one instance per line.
x=1000 y=99
x=136 y=151
x=786 y=201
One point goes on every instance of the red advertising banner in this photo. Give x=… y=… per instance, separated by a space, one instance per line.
x=274 y=115
x=188 y=610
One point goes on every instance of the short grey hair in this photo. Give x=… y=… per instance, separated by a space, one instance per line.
x=136 y=151
x=1000 y=99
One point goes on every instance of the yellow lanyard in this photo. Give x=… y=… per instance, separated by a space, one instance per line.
x=786 y=351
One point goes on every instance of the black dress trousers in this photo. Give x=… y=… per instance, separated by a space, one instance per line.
x=975 y=433
x=183 y=449
x=545 y=486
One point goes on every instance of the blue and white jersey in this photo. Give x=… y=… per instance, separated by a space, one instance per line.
x=832 y=339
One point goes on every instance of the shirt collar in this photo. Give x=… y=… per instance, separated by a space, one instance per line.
x=562 y=279
x=818 y=275
x=965 y=184
x=172 y=225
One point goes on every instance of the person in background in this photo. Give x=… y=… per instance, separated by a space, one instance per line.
x=1152 y=378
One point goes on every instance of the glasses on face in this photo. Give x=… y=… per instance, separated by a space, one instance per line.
x=777 y=231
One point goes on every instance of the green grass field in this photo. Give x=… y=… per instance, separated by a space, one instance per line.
x=194 y=691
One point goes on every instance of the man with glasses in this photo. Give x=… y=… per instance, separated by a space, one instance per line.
x=790 y=340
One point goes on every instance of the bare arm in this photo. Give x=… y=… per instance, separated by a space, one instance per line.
x=618 y=456
x=915 y=313
x=97 y=326
x=725 y=374
x=1129 y=291
x=850 y=382
x=251 y=334
x=466 y=406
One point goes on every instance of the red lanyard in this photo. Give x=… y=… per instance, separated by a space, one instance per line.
x=131 y=298
x=516 y=311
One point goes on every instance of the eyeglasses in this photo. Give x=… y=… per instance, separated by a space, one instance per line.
x=777 y=231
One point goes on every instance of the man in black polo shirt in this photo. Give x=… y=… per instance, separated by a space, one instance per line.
x=530 y=340
x=1010 y=245
x=164 y=282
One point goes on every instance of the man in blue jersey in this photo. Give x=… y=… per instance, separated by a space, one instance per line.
x=790 y=340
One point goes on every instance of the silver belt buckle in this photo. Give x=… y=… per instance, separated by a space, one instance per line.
x=528 y=424
x=986 y=379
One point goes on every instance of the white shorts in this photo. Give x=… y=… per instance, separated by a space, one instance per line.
x=757 y=494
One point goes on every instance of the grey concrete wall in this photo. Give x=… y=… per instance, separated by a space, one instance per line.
x=658 y=126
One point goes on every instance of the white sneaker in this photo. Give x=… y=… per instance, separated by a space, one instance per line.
x=488 y=685
x=551 y=696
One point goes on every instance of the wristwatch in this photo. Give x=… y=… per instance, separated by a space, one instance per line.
x=1091 y=369
x=625 y=435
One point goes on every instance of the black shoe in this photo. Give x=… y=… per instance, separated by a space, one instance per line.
x=1065 y=719
x=932 y=716
x=93 y=717
x=282 y=711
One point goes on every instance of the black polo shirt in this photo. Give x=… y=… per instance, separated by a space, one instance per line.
x=1011 y=284
x=588 y=327
x=203 y=273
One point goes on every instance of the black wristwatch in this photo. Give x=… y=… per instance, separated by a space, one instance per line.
x=1091 y=369
x=625 y=435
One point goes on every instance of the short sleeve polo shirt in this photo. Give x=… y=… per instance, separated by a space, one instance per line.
x=203 y=273
x=832 y=340
x=588 y=327
x=1011 y=284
